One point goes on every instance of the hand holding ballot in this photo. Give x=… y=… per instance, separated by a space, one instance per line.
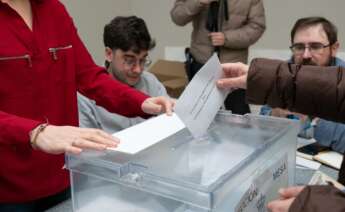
x=234 y=76
x=157 y=105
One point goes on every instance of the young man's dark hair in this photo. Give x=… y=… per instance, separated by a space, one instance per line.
x=127 y=33
x=329 y=28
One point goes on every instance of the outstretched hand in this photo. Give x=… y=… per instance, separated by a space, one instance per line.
x=287 y=196
x=234 y=76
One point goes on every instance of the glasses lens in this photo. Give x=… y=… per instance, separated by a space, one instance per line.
x=298 y=48
x=131 y=62
x=316 y=46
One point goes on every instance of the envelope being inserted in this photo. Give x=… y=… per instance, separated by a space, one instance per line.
x=147 y=133
x=201 y=100
x=195 y=109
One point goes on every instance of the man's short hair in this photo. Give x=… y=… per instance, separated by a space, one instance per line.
x=328 y=27
x=127 y=33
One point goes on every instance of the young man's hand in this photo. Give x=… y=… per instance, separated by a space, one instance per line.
x=157 y=105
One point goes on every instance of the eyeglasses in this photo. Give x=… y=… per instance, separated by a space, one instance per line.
x=132 y=62
x=314 y=48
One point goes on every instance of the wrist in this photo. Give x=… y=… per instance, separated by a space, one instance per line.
x=35 y=133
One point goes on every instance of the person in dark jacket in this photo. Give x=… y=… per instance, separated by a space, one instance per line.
x=313 y=90
x=314 y=41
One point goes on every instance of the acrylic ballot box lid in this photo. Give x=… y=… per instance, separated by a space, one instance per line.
x=192 y=171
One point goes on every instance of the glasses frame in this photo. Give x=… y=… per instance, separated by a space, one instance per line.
x=143 y=63
x=309 y=47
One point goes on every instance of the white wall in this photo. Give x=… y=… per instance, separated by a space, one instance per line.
x=90 y=16
x=156 y=13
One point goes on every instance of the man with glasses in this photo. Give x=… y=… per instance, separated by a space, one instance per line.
x=127 y=42
x=314 y=42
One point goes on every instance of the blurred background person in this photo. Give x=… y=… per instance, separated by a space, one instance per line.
x=225 y=27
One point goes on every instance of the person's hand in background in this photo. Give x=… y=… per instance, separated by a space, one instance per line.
x=217 y=38
x=286 y=197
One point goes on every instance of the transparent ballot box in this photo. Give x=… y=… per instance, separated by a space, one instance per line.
x=238 y=165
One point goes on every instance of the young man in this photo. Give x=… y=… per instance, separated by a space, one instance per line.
x=314 y=41
x=127 y=42
x=227 y=27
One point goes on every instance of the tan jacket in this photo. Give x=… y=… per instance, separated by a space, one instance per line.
x=313 y=90
x=245 y=26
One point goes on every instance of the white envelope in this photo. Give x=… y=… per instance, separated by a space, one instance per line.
x=201 y=100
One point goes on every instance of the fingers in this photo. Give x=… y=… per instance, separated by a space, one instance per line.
x=92 y=139
x=234 y=69
x=238 y=82
x=234 y=76
x=168 y=105
x=289 y=192
x=100 y=137
x=86 y=144
x=68 y=139
x=72 y=150
x=217 y=38
x=280 y=205
x=156 y=105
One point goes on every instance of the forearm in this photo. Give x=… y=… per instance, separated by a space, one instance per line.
x=297 y=88
x=243 y=37
x=313 y=199
x=251 y=31
x=112 y=95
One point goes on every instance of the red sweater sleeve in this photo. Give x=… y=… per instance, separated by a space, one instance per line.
x=15 y=129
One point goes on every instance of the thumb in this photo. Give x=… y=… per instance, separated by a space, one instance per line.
x=151 y=107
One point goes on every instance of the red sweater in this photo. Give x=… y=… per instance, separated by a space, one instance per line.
x=40 y=72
